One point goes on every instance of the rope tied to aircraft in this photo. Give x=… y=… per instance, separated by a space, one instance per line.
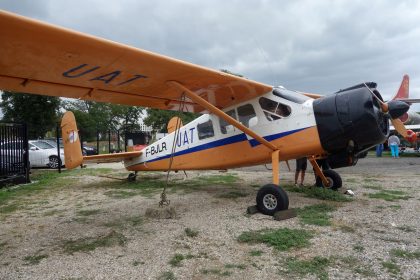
x=163 y=197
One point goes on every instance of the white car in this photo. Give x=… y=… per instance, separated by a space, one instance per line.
x=42 y=154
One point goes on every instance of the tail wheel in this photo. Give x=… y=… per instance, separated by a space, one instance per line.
x=333 y=178
x=54 y=162
x=271 y=199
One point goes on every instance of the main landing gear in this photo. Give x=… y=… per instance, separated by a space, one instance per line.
x=271 y=198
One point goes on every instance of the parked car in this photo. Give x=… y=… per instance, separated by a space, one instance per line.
x=41 y=154
x=86 y=150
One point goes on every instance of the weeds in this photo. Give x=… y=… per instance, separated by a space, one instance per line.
x=317 y=214
x=390 y=195
x=36 y=259
x=281 y=239
x=319 y=193
x=256 y=253
x=233 y=194
x=406 y=228
x=216 y=271
x=391 y=267
x=167 y=275
x=91 y=243
x=315 y=266
x=176 y=260
x=404 y=254
x=89 y=212
x=191 y=232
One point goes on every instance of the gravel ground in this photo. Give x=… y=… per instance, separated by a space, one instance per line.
x=360 y=240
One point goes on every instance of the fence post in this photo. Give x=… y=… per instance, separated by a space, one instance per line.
x=109 y=141
x=57 y=131
x=97 y=141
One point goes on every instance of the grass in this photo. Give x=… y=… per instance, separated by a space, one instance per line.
x=91 y=243
x=358 y=248
x=318 y=214
x=255 y=253
x=233 y=266
x=233 y=194
x=390 y=195
x=216 y=271
x=125 y=222
x=176 y=260
x=391 y=267
x=405 y=254
x=120 y=194
x=281 y=239
x=316 y=266
x=89 y=212
x=44 y=182
x=319 y=193
x=406 y=228
x=167 y=275
x=191 y=232
x=35 y=259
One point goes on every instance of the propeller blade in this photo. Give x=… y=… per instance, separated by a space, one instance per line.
x=399 y=126
x=384 y=106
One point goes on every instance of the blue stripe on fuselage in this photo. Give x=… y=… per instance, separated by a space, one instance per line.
x=226 y=141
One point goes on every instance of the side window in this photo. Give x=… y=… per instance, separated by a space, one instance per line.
x=245 y=113
x=225 y=127
x=274 y=110
x=205 y=130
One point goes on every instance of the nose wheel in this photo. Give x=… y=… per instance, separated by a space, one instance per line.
x=271 y=198
x=333 y=178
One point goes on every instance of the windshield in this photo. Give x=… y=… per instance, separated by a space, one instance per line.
x=42 y=145
x=290 y=95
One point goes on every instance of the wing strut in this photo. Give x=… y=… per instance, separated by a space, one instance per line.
x=213 y=109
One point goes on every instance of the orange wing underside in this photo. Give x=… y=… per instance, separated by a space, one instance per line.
x=111 y=157
x=44 y=59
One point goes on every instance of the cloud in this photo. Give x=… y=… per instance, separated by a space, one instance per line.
x=315 y=46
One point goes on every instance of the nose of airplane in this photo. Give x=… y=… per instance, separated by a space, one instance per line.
x=351 y=121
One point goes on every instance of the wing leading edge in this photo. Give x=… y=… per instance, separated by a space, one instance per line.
x=40 y=58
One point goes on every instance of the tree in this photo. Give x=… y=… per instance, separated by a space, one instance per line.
x=158 y=119
x=94 y=116
x=39 y=112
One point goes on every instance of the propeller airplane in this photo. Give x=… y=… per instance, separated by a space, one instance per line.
x=244 y=122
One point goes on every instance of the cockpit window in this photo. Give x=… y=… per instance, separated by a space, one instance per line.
x=293 y=96
x=274 y=110
x=225 y=127
x=245 y=114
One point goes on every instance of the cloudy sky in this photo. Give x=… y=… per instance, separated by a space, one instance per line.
x=315 y=46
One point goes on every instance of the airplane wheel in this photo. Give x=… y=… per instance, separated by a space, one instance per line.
x=271 y=199
x=132 y=177
x=333 y=177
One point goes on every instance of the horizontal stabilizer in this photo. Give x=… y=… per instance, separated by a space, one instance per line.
x=106 y=158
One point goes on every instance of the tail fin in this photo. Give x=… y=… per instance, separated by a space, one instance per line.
x=174 y=124
x=403 y=91
x=71 y=140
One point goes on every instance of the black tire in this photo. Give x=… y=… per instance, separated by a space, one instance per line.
x=333 y=177
x=54 y=162
x=271 y=199
x=132 y=177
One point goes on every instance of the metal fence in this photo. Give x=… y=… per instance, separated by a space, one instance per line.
x=14 y=160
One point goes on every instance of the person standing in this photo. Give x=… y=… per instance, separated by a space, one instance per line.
x=301 y=165
x=393 y=143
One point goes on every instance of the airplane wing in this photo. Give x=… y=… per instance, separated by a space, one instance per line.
x=106 y=158
x=40 y=58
